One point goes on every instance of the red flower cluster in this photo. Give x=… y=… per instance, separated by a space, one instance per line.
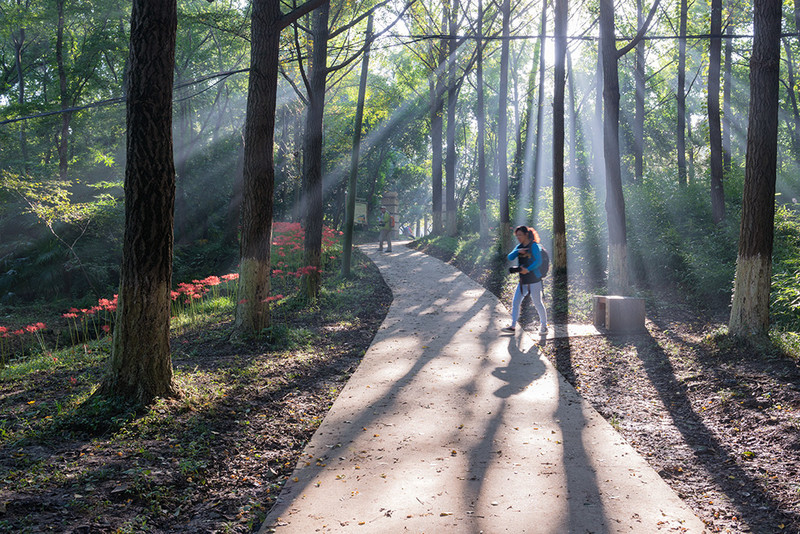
x=198 y=288
x=30 y=329
x=102 y=305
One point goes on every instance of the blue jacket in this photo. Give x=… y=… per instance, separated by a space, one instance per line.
x=531 y=262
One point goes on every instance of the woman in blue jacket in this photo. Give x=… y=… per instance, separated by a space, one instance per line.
x=529 y=255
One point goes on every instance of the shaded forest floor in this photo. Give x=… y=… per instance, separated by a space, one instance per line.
x=212 y=461
x=718 y=419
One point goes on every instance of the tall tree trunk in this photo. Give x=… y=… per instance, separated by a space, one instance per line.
x=750 y=306
x=536 y=163
x=681 y=96
x=141 y=366
x=19 y=44
x=794 y=130
x=691 y=167
x=638 y=120
x=452 y=97
x=258 y=184
x=577 y=154
x=726 y=101
x=615 y=202
x=502 y=128
x=437 y=124
x=62 y=149
x=480 y=118
x=353 y=182
x=714 y=130
x=559 y=223
x=312 y=171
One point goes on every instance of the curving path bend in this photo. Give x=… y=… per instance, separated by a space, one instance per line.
x=449 y=426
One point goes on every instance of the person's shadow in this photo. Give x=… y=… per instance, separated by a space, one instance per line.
x=524 y=367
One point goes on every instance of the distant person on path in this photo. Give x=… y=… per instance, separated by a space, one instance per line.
x=529 y=255
x=386 y=230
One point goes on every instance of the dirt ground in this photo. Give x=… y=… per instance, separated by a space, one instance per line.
x=719 y=420
x=212 y=461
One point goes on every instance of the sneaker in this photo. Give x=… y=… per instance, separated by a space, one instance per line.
x=508 y=329
x=543 y=329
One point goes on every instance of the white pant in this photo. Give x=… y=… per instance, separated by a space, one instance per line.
x=535 y=291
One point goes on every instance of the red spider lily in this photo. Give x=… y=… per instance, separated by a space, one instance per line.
x=18 y=332
x=211 y=281
x=174 y=295
x=243 y=301
x=277 y=271
x=74 y=310
x=106 y=328
x=69 y=315
x=3 y=329
x=232 y=276
x=270 y=299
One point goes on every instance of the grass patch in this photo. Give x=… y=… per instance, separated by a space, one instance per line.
x=213 y=460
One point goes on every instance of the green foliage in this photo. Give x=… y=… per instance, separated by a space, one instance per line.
x=672 y=240
x=785 y=293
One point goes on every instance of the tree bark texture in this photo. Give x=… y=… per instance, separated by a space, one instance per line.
x=141 y=366
x=615 y=202
x=638 y=120
x=258 y=180
x=353 y=181
x=452 y=98
x=19 y=45
x=681 y=96
x=794 y=130
x=559 y=223
x=480 y=118
x=63 y=136
x=312 y=172
x=437 y=125
x=714 y=127
x=726 y=101
x=537 y=149
x=502 y=125
x=750 y=307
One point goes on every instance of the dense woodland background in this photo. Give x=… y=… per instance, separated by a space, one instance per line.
x=431 y=131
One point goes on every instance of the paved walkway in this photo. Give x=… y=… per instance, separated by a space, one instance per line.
x=449 y=426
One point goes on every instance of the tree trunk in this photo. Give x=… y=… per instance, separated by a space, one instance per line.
x=681 y=96
x=691 y=166
x=615 y=202
x=638 y=120
x=726 y=102
x=537 y=149
x=480 y=118
x=794 y=131
x=750 y=306
x=352 y=186
x=559 y=224
x=252 y=310
x=437 y=109
x=19 y=44
x=714 y=130
x=312 y=171
x=502 y=129
x=62 y=148
x=452 y=97
x=141 y=366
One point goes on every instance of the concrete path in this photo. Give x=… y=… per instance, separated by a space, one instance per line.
x=449 y=426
